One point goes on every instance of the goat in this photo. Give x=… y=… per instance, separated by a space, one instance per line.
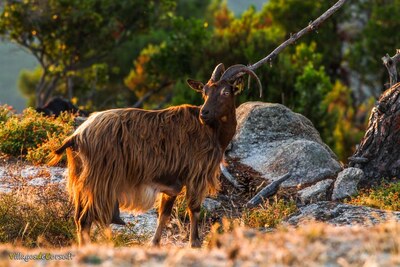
x=57 y=105
x=126 y=157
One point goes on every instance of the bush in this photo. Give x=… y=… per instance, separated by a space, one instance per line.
x=5 y=113
x=385 y=196
x=32 y=134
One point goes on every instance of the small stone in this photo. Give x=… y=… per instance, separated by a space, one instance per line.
x=316 y=192
x=57 y=174
x=211 y=204
x=346 y=183
x=30 y=172
x=37 y=182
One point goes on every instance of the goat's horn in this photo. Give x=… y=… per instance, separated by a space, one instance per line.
x=218 y=71
x=235 y=71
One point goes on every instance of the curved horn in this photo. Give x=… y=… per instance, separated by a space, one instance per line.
x=218 y=71
x=235 y=71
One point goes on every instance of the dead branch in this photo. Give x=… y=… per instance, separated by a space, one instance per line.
x=390 y=64
x=268 y=191
x=313 y=26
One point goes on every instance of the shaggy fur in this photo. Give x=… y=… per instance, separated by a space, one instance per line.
x=128 y=155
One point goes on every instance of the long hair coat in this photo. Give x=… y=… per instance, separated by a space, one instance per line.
x=119 y=154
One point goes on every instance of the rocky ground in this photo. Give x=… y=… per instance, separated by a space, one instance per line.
x=318 y=234
x=271 y=141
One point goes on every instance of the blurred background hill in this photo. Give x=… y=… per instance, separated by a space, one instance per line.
x=12 y=60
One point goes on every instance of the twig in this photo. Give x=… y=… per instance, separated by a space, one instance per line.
x=311 y=27
x=390 y=64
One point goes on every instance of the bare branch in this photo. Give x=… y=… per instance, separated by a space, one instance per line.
x=390 y=64
x=268 y=191
x=311 y=27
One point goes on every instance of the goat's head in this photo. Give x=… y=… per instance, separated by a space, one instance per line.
x=220 y=91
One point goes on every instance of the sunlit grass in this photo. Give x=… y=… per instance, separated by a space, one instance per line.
x=384 y=196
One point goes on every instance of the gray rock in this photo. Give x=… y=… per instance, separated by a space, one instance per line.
x=30 y=171
x=316 y=192
x=58 y=174
x=210 y=204
x=3 y=172
x=38 y=182
x=346 y=183
x=141 y=224
x=342 y=214
x=273 y=140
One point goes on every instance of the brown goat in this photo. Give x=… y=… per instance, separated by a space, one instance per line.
x=126 y=157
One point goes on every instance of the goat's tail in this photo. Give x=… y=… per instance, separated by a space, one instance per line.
x=56 y=155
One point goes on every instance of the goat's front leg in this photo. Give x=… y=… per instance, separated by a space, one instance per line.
x=164 y=213
x=194 y=214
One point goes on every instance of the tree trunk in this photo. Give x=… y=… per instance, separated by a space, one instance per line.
x=45 y=88
x=378 y=154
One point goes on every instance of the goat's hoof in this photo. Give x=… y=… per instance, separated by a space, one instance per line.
x=155 y=243
x=195 y=244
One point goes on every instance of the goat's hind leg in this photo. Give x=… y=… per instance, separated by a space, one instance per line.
x=164 y=213
x=116 y=219
x=83 y=224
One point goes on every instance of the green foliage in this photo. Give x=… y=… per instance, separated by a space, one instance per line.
x=68 y=37
x=344 y=125
x=375 y=40
x=28 y=80
x=5 y=113
x=268 y=215
x=311 y=86
x=385 y=196
x=22 y=134
x=182 y=39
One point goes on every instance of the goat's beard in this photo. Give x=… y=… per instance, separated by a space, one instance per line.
x=213 y=123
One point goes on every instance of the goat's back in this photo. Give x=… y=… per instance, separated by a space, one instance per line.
x=131 y=147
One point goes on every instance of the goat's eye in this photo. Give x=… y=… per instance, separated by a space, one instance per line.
x=226 y=92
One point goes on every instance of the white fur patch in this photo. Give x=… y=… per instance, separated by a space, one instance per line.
x=138 y=199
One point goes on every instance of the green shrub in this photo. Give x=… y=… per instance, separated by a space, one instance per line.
x=6 y=112
x=385 y=196
x=33 y=133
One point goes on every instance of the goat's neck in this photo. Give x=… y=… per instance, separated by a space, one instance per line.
x=226 y=130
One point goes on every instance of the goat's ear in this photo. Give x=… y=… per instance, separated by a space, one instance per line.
x=238 y=86
x=195 y=85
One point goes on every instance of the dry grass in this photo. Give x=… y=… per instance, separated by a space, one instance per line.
x=314 y=244
x=41 y=215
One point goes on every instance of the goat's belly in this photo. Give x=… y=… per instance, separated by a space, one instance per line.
x=138 y=199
